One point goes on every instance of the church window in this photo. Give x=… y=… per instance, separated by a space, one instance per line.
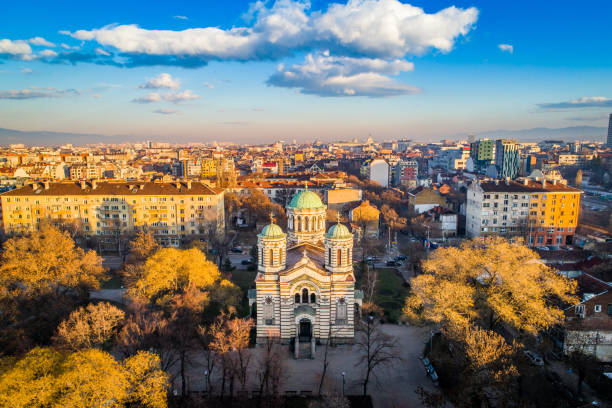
x=268 y=311
x=271 y=257
x=313 y=298
x=348 y=256
x=304 y=295
x=329 y=256
x=297 y=298
x=341 y=315
x=339 y=257
x=261 y=257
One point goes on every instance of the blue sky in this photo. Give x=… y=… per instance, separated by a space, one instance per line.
x=254 y=72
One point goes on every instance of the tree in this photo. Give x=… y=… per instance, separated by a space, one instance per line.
x=485 y=283
x=270 y=369
x=230 y=341
x=87 y=378
x=142 y=247
x=377 y=349
x=231 y=202
x=47 y=261
x=93 y=326
x=43 y=277
x=171 y=271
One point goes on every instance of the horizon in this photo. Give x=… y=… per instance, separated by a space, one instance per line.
x=282 y=70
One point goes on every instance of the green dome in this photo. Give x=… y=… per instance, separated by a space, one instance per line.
x=272 y=231
x=338 y=231
x=305 y=200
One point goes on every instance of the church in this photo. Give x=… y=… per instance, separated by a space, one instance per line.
x=305 y=285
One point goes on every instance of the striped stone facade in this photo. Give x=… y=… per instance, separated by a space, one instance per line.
x=305 y=290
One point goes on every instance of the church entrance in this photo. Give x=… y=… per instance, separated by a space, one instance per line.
x=305 y=330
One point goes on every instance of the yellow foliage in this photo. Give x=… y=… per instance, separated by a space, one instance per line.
x=171 y=271
x=48 y=259
x=87 y=378
x=148 y=383
x=486 y=282
x=90 y=326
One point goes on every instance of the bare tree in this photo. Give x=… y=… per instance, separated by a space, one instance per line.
x=270 y=367
x=377 y=348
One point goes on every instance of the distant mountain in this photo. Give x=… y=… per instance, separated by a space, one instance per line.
x=43 y=137
x=538 y=134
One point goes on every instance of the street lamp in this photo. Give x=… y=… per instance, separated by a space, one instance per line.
x=343 y=382
x=206 y=381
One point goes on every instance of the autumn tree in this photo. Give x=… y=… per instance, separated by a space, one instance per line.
x=87 y=378
x=171 y=271
x=93 y=326
x=230 y=341
x=43 y=276
x=232 y=204
x=142 y=247
x=259 y=206
x=487 y=283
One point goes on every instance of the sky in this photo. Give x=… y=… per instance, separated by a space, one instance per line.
x=254 y=72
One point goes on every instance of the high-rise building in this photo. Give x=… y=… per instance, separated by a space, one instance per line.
x=507 y=159
x=609 y=141
x=482 y=153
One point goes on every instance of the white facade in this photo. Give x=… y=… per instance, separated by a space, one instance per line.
x=496 y=207
x=378 y=171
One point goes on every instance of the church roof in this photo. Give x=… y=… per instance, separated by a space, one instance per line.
x=314 y=253
x=306 y=200
x=272 y=231
x=338 y=231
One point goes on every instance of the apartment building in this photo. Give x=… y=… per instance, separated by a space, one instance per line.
x=545 y=213
x=170 y=210
x=376 y=170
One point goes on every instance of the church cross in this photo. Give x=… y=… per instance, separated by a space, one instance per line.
x=271 y=217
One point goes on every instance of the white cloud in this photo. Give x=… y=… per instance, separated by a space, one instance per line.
x=41 y=41
x=209 y=85
x=506 y=48
x=181 y=17
x=17 y=47
x=584 y=102
x=176 y=97
x=373 y=28
x=152 y=97
x=66 y=46
x=325 y=75
x=165 y=111
x=162 y=81
x=36 y=93
x=100 y=51
x=26 y=71
x=48 y=53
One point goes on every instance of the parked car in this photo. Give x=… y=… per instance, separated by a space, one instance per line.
x=246 y=262
x=391 y=263
x=237 y=250
x=401 y=258
x=534 y=358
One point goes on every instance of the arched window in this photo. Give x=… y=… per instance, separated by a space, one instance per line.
x=271 y=257
x=339 y=259
x=313 y=298
x=304 y=295
x=261 y=257
x=268 y=311
x=297 y=298
x=329 y=257
x=348 y=256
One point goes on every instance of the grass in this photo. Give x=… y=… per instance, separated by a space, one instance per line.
x=245 y=280
x=391 y=292
x=115 y=282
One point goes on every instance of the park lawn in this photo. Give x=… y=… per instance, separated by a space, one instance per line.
x=115 y=282
x=245 y=280
x=391 y=293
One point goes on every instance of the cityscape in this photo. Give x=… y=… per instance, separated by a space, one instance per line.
x=366 y=203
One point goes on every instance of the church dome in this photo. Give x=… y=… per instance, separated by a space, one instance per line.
x=338 y=231
x=272 y=231
x=305 y=200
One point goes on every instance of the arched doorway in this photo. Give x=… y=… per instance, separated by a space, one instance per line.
x=305 y=330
